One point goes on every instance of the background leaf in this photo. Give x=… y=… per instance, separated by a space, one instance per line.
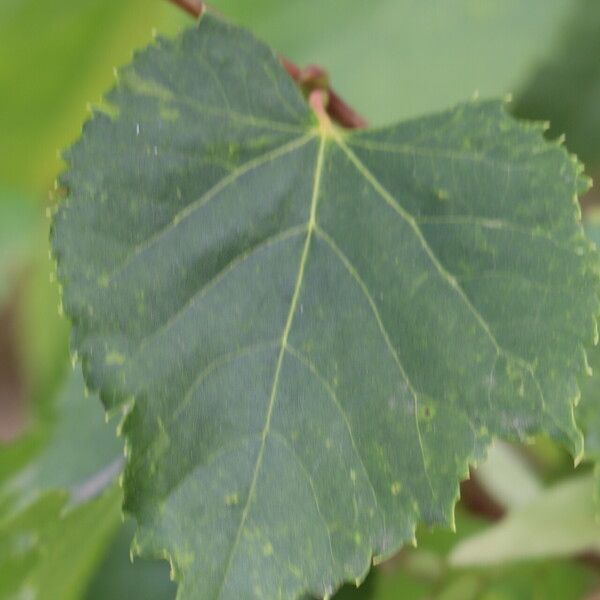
x=48 y=553
x=507 y=477
x=565 y=89
x=560 y=522
x=425 y=573
x=118 y=578
x=58 y=510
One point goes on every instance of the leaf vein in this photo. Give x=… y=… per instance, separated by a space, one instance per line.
x=221 y=185
x=283 y=440
x=284 y=338
x=201 y=108
x=452 y=282
x=204 y=374
x=365 y=290
x=410 y=220
x=490 y=223
x=303 y=359
x=425 y=152
x=231 y=266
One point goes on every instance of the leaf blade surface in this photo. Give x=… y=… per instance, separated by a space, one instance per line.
x=314 y=325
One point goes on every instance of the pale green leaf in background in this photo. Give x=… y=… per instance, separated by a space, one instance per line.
x=49 y=552
x=320 y=329
x=59 y=504
x=80 y=453
x=507 y=477
x=559 y=522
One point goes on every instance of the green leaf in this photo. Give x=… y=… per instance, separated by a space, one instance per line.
x=49 y=552
x=56 y=496
x=316 y=331
x=56 y=466
x=566 y=87
x=559 y=522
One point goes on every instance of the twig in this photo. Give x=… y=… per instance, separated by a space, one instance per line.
x=342 y=113
x=192 y=7
x=309 y=79
x=478 y=501
x=317 y=100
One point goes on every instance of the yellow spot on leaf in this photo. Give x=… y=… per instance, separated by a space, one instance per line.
x=232 y=499
x=268 y=549
x=442 y=194
x=169 y=114
x=114 y=359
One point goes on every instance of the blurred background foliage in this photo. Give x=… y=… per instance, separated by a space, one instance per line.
x=60 y=531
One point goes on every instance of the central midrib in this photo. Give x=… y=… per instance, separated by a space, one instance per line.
x=282 y=350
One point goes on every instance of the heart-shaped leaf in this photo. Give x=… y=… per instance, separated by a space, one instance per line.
x=319 y=330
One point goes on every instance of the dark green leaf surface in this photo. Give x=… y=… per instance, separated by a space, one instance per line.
x=319 y=330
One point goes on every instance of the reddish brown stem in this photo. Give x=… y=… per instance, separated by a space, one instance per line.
x=310 y=78
x=342 y=113
x=292 y=69
x=192 y=7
